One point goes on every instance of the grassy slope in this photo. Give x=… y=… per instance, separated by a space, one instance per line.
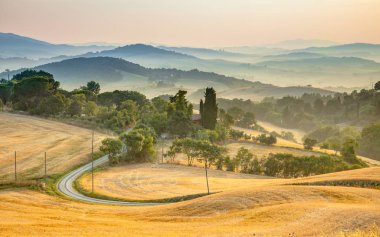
x=147 y=181
x=296 y=145
x=264 y=210
x=66 y=146
x=248 y=205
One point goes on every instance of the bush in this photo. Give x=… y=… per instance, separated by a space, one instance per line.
x=287 y=165
x=309 y=143
x=229 y=164
x=266 y=139
x=236 y=134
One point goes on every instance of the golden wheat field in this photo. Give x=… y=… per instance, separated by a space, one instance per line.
x=240 y=204
x=261 y=151
x=152 y=181
x=66 y=146
x=278 y=210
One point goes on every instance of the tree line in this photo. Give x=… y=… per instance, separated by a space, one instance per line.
x=310 y=111
x=318 y=115
x=137 y=120
x=276 y=165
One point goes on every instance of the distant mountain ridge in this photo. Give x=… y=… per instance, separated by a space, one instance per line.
x=137 y=50
x=109 y=69
x=113 y=73
x=351 y=64
x=302 y=43
x=291 y=56
x=205 y=53
x=362 y=50
x=324 y=64
x=12 y=45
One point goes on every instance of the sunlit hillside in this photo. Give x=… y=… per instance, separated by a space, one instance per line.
x=190 y=118
x=66 y=146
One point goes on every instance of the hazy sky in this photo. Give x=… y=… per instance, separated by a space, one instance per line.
x=192 y=22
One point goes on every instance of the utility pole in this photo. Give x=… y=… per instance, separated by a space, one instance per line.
x=92 y=163
x=162 y=151
x=45 y=167
x=15 y=168
x=208 y=189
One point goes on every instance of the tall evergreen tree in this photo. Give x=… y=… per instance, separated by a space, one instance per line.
x=210 y=109
x=201 y=111
x=179 y=115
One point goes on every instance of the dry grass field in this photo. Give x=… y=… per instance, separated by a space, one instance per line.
x=296 y=145
x=261 y=151
x=243 y=205
x=151 y=181
x=280 y=141
x=298 y=134
x=247 y=209
x=66 y=146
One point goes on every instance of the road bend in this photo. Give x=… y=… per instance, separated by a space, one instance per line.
x=65 y=186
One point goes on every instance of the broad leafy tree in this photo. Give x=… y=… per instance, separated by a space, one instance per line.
x=113 y=148
x=377 y=86
x=243 y=159
x=139 y=143
x=309 y=143
x=93 y=86
x=29 y=92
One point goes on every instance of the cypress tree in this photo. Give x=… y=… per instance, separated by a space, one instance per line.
x=201 y=111
x=210 y=109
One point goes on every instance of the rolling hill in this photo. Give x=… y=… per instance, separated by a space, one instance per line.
x=361 y=50
x=288 y=69
x=155 y=57
x=301 y=44
x=205 y=53
x=14 y=63
x=114 y=73
x=350 y=65
x=32 y=136
x=12 y=45
x=312 y=63
x=291 y=56
x=336 y=204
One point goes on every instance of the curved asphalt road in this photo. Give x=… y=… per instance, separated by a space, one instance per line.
x=65 y=186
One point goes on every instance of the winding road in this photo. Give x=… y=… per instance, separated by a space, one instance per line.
x=65 y=186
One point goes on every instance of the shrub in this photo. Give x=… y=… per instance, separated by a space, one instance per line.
x=266 y=139
x=309 y=143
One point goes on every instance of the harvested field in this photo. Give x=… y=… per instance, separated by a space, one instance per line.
x=260 y=211
x=151 y=181
x=66 y=146
x=244 y=205
x=148 y=181
x=261 y=151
